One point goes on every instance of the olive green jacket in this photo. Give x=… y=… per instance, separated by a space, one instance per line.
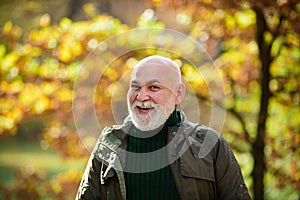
x=202 y=164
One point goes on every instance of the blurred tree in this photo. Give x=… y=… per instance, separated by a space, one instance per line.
x=38 y=70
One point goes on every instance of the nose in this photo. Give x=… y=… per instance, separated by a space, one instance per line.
x=142 y=95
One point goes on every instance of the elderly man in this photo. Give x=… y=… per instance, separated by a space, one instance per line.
x=157 y=153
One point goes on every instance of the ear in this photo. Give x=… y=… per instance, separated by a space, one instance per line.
x=180 y=93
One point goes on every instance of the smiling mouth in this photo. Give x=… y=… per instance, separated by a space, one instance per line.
x=144 y=109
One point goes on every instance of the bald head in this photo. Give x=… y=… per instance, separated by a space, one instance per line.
x=158 y=67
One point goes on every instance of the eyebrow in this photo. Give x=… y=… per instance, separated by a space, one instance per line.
x=149 y=82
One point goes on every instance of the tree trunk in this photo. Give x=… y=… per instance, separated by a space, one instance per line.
x=75 y=6
x=259 y=143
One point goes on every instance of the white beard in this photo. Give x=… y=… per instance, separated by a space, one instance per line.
x=157 y=117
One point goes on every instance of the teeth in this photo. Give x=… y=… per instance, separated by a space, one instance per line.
x=145 y=106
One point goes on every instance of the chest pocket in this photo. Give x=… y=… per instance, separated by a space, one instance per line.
x=198 y=177
x=199 y=168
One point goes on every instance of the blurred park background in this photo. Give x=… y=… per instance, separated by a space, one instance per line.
x=255 y=48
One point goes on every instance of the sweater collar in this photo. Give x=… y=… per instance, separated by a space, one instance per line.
x=174 y=119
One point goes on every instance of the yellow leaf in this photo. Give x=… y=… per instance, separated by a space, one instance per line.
x=229 y=22
x=28 y=95
x=65 y=54
x=49 y=88
x=2 y=50
x=6 y=123
x=245 y=19
x=9 y=61
x=41 y=104
x=65 y=94
x=16 y=114
x=7 y=27
x=15 y=87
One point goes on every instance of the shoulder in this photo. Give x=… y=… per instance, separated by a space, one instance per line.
x=113 y=136
x=198 y=130
x=201 y=133
x=206 y=135
x=118 y=131
x=203 y=140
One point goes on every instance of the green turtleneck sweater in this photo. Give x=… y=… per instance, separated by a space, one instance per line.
x=155 y=184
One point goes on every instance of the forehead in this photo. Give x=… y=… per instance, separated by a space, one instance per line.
x=152 y=71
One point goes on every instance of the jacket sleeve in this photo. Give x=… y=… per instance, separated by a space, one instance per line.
x=229 y=180
x=90 y=187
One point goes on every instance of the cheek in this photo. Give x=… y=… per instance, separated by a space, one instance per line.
x=164 y=99
x=131 y=96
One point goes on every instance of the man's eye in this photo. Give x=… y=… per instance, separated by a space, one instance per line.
x=135 y=87
x=154 y=88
